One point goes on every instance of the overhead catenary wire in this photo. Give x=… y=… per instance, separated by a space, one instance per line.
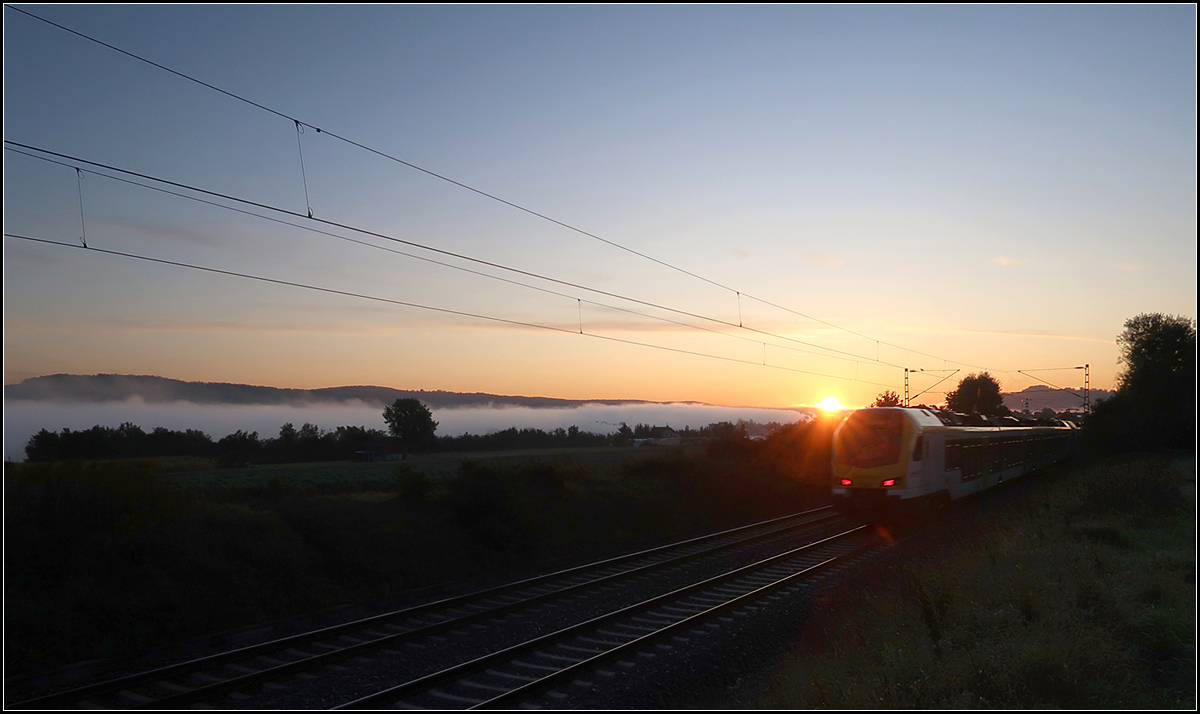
x=312 y=229
x=303 y=173
x=460 y=256
x=299 y=123
x=930 y=389
x=82 y=221
x=433 y=308
x=460 y=268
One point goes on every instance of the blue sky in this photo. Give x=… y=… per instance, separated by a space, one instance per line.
x=990 y=187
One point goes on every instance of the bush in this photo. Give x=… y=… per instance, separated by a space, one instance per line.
x=483 y=500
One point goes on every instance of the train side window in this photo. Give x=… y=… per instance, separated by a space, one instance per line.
x=953 y=456
x=919 y=448
x=974 y=457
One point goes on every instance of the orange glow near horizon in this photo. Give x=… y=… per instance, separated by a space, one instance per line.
x=831 y=404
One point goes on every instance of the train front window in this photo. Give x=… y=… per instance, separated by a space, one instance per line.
x=871 y=438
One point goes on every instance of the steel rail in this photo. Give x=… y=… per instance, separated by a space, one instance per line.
x=510 y=699
x=450 y=674
x=241 y=682
x=71 y=697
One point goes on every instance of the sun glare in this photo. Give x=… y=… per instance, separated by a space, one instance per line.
x=831 y=404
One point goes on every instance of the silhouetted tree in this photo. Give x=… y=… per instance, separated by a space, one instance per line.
x=979 y=394
x=239 y=443
x=350 y=439
x=309 y=432
x=887 y=399
x=43 y=446
x=129 y=440
x=237 y=449
x=1155 y=404
x=1157 y=350
x=412 y=423
x=287 y=434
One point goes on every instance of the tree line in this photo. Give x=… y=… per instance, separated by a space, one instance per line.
x=409 y=430
x=129 y=441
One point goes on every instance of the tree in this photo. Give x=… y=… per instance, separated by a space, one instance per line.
x=887 y=399
x=1155 y=403
x=43 y=446
x=412 y=423
x=977 y=394
x=1156 y=350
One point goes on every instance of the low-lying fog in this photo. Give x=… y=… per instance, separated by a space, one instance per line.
x=23 y=419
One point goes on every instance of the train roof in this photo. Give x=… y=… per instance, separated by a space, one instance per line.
x=928 y=418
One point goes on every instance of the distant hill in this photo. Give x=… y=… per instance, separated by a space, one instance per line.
x=1040 y=396
x=119 y=387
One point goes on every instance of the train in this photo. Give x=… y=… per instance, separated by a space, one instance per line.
x=915 y=461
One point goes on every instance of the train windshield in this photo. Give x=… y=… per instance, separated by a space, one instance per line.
x=871 y=438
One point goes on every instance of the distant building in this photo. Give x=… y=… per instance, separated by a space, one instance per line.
x=380 y=450
x=660 y=436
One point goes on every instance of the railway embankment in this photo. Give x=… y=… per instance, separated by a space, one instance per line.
x=105 y=561
x=1074 y=590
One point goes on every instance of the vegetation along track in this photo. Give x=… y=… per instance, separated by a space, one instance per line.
x=337 y=664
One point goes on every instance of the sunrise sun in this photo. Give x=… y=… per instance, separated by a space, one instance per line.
x=831 y=404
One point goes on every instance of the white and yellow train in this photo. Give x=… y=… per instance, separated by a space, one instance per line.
x=889 y=460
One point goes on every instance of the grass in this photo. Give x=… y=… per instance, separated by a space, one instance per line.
x=115 y=558
x=1080 y=595
x=345 y=476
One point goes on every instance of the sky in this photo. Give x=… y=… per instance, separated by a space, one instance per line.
x=754 y=206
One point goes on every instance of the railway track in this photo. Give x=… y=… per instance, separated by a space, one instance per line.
x=489 y=647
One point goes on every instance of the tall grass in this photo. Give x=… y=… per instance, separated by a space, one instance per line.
x=1081 y=596
x=106 y=559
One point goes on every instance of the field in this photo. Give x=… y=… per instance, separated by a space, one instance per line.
x=1078 y=594
x=345 y=476
x=115 y=558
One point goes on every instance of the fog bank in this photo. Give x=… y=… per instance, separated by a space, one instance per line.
x=23 y=419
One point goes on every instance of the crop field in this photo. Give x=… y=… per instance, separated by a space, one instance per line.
x=342 y=476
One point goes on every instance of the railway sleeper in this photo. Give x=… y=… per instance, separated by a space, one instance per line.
x=624 y=636
x=658 y=621
x=455 y=697
x=703 y=602
x=638 y=628
x=509 y=675
x=607 y=644
x=204 y=678
x=531 y=665
x=727 y=591
x=571 y=659
x=584 y=650
x=486 y=687
x=684 y=610
x=130 y=697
